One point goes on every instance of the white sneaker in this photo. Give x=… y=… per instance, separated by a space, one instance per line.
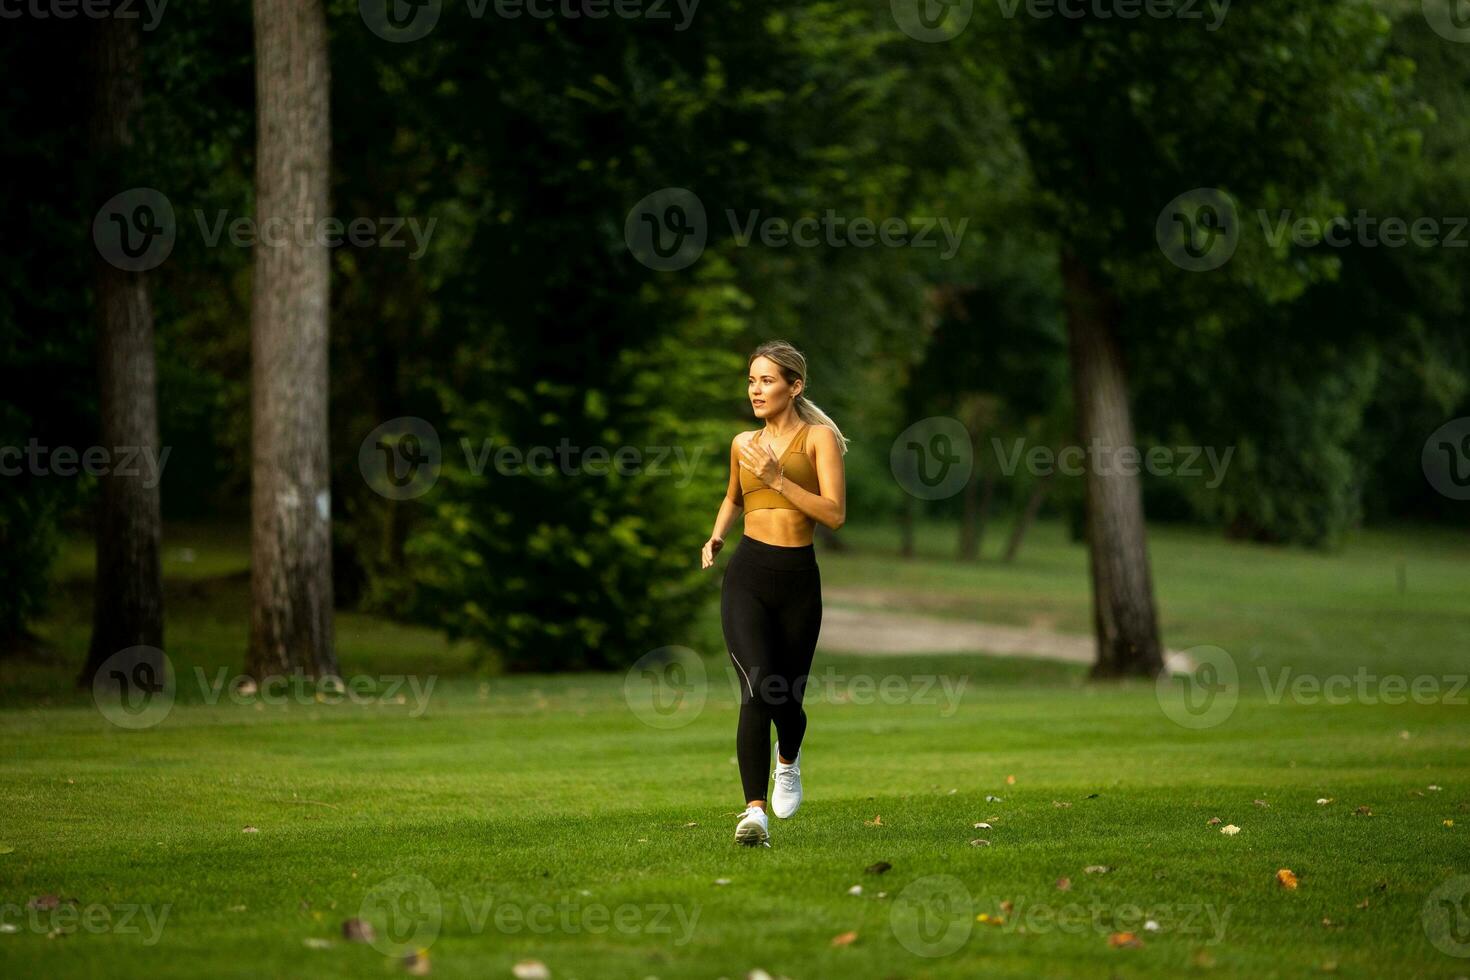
x=786 y=788
x=752 y=829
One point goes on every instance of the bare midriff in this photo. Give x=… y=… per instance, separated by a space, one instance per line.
x=778 y=526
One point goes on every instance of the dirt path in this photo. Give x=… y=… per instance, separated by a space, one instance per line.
x=850 y=628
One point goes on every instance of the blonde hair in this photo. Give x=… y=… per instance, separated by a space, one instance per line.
x=793 y=366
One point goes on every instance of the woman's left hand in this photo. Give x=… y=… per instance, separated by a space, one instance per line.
x=760 y=461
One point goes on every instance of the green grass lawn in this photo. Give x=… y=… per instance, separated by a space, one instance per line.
x=545 y=820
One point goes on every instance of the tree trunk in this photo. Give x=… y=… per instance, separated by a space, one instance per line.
x=979 y=492
x=906 y=528
x=1027 y=516
x=290 y=502
x=127 y=604
x=1122 y=586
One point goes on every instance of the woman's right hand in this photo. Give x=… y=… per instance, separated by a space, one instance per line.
x=711 y=548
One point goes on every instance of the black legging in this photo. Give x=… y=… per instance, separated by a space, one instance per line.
x=771 y=608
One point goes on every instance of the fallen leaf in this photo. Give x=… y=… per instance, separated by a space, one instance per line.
x=1007 y=906
x=1059 y=804
x=249 y=830
x=417 y=964
x=1097 y=869
x=979 y=842
x=316 y=942
x=530 y=970
x=994 y=799
x=844 y=939
x=1325 y=800
x=878 y=868
x=1124 y=940
x=1363 y=904
x=1364 y=811
x=722 y=881
x=1261 y=803
x=43 y=903
x=877 y=821
x=1010 y=780
x=1213 y=822
x=1329 y=966
x=358 y=931
x=1449 y=823
x=982 y=825
x=1287 y=879
x=1230 y=830
x=1064 y=884
x=1433 y=788
x=855 y=890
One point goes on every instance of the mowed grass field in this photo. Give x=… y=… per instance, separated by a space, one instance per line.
x=585 y=821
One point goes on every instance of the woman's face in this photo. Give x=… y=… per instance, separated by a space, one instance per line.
x=769 y=393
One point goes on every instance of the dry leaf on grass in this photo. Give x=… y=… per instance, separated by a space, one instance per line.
x=855 y=890
x=1323 y=801
x=1364 y=811
x=1124 y=940
x=877 y=821
x=1213 y=822
x=1010 y=780
x=1230 y=830
x=844 y=939
x=1097 y=869
x=531 y=970
x=1064 y=884
x=1287 y=879
x=979 y=842
x=877 y=868
x=417 y=964
x=982 y=825
x=358 y=931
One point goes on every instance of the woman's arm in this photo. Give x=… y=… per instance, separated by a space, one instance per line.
x=730 y=508
x=828 y=508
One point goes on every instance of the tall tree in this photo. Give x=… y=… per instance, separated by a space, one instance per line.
x=291 y=558
x=1279 y=109
x=128 y=599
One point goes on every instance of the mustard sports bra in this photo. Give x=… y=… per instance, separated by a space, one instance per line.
x=796 y=466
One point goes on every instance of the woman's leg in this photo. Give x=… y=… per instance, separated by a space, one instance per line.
x=798 y=622
x=751 y=638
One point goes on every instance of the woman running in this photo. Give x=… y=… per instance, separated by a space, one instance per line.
x=787 y=477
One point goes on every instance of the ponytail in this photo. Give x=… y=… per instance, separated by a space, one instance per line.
x=807 y=411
